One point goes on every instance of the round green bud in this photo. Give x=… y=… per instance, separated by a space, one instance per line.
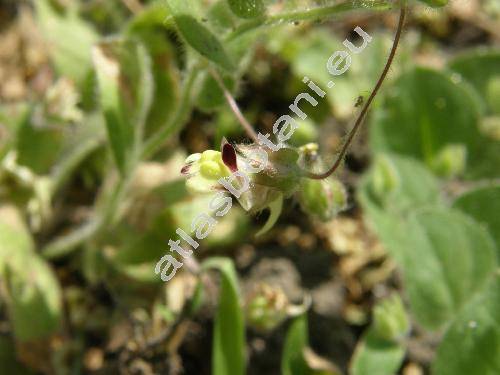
x=390 y=321
x=266 y=308
x=305 y=133
x=385 y=177
x=322 y=198
x=450 y=161
x=493 y=94
x=490 y=126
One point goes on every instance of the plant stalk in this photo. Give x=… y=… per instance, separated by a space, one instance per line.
x=364 y=110
x=234 y=106
x=311 y=14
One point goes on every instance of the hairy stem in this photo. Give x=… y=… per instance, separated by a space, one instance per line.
x=68 y=242
x=311 y=14
x=367 y=104
x=234 y=106
x=65 y=244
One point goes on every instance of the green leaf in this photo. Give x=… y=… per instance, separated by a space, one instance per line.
x=8 y=361
x=199 y=37
x=247 y=8
x=220 y=17
x=150 y=28
x=70 y=40
x=395 y=187
x=38 y=146
x=445 y=256
x=297 y=339
x=435 y=3
x=16 y=239
x=125 y=88
x=483 y=204
x=398 y=185
x=376 y=356
x=448 y=258
x=228 y=350
x=381 y=350
x=424 y=112
x=313 y=13
x=12 y=117
x=472 y=343
x=31 y=289
x=275 y=208
x=154 y=15
x=86 y=138
x=480 y=68
x=211 y=96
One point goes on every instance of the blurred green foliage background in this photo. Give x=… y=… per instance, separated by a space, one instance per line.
x=102 y=101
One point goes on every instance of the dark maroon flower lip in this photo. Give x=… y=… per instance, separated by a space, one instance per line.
x=185 y=169
x=229 y=155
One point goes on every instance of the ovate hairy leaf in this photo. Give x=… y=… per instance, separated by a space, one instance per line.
x=29 y=286
x=483 y=204
x=466 y=65
x=125 y=90
x=70 y=40
x=448 y=259
x=425 y=111
x=395 y=187
x=198 y=36
x=472 y=343
x=247 y=8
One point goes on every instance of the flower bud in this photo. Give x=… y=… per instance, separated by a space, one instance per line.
x=450 y=161
x=257 y=179
x=266 y=307
x=390 y=320
x=493 y=94
x=276 y=176
x=305 y=133
x=322 y=198
x=385 y=177
x=490 y=126
x=203 y=171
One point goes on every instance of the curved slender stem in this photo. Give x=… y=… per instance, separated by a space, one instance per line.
x=234 y=106
x=365 y=108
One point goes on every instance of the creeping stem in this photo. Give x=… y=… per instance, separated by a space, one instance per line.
x=365 y=108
